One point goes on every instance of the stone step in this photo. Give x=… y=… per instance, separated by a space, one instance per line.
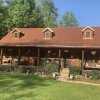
x=65 y=69
x=64 y=73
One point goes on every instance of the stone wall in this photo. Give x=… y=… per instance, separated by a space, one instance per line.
x=75 y=62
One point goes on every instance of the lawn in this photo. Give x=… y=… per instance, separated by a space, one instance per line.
x=29 y=87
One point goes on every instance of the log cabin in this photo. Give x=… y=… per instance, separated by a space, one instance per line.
x=76 y=46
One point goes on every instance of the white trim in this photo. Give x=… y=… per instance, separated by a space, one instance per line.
x=15 y=29
x=47 y=29
x=87 y=28
x=47 y=38
x=88 y=38
x=52 y=46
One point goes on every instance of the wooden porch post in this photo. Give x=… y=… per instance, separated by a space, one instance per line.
x=38 y=57
x=19 y=56
x=46 y=56
x=1 y=55
x=59 y=67
x=82 y=63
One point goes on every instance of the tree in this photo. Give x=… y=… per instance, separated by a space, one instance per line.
x=68 y=20
x=48 y=12
x=22 y=13
x=3 y=14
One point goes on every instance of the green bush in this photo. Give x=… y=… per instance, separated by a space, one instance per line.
x=52 y=66
x=95 y=74
x=75 y=70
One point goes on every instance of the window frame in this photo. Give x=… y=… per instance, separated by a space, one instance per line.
x=16 y=35
x=47 y=35
x=88 y=35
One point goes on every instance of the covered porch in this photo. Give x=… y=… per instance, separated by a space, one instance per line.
x=39 y=56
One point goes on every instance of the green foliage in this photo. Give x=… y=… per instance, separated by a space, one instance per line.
x=22 y=13
x=26 y=14
x=3 y=13
x=31 y=13
x=52 y=66
x=16 y=69
x=48 y=12
x=68 y=20
x=75 y=70
x=95 y=74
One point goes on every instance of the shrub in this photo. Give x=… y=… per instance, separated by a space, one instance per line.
x=75 y=70
x=18 y=69
x=52 y=66
x=27 y=69
x=95 y=74
x=7 y=68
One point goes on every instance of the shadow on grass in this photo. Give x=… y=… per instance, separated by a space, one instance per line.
x=20 y=85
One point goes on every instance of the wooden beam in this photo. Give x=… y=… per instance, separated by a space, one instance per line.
x=19 y=55
x=38 y=57
x=59 y=60
x=46 y=56
x=82 y=63
x=1 y=55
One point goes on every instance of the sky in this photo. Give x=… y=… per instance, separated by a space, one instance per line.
x=87 y=12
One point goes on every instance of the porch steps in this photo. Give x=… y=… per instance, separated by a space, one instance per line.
x=64 y=74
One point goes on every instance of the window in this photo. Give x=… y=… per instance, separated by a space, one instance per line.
x=88 y=35
x=16 y=35
x=47 y=35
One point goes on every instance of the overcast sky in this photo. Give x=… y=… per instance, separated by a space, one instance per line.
x=87 y=12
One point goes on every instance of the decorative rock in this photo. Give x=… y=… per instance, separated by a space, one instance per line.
x=71 y=77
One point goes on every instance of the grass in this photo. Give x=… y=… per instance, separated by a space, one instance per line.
x=89 y=80
x=29 y=87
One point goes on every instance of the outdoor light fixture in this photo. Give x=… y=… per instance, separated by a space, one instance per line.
x=49 y=51
x=93 y=52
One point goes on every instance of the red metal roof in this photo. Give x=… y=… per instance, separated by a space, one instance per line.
x=64 y=37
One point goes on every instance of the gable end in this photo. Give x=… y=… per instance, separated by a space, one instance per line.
x=48 y=33
x=88 y=33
